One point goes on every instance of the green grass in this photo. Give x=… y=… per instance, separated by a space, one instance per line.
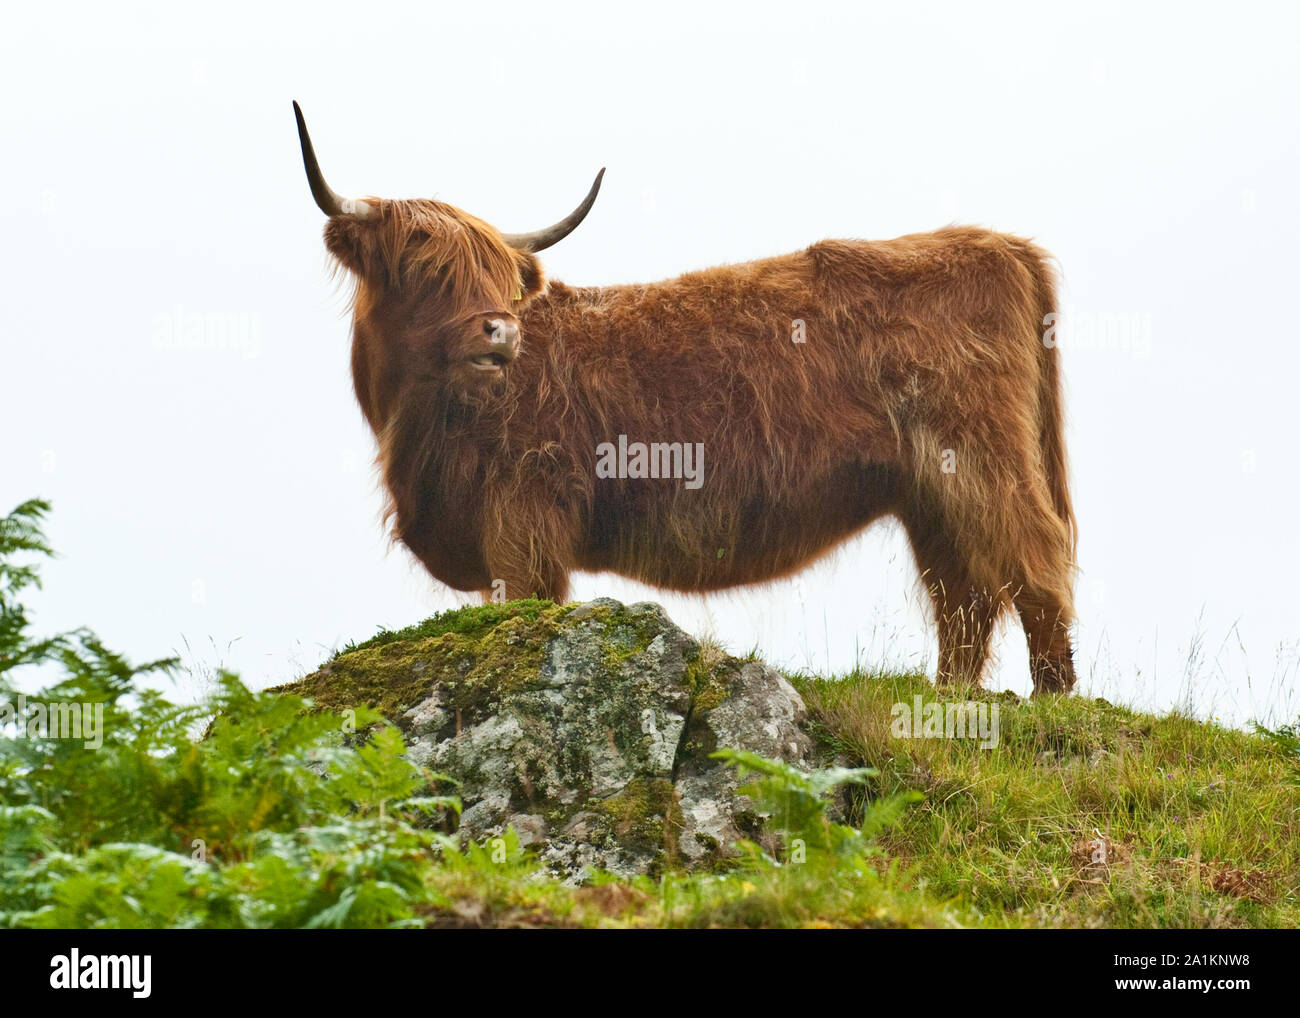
x=1199 y=825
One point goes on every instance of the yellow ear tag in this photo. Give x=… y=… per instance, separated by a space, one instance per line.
x=519 y=295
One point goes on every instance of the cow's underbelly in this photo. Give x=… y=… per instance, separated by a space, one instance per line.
x=665 y=535
x=684 y=540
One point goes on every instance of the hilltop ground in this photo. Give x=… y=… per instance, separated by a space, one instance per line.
x=1084 y=814
x=260 y=810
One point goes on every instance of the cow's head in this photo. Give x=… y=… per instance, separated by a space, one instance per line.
x=438 y=291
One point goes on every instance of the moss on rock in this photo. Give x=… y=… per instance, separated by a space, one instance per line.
x=645 y=816
x=476 y=654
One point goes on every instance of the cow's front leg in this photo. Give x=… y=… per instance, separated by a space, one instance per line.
x=529 y=553
x=511 y=581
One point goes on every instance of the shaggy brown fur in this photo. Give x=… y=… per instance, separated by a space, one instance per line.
x=923 y=390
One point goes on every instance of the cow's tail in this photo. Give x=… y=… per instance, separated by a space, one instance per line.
x=1051 y=405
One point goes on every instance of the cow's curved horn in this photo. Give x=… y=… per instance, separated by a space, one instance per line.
x=330 y=203
x=539 y=240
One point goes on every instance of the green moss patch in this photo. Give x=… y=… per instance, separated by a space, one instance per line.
x=470 y=621
x=475 y=654
x=644 y=815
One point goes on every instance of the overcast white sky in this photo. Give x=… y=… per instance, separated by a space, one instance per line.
x=224 y=498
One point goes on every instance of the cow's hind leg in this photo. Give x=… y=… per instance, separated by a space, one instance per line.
x=1046 y=620
x=966 y=606
x=1016 y=553
x=1025 y=543
x=1043 y=584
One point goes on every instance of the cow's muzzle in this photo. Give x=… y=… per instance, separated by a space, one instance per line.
x=502 y=336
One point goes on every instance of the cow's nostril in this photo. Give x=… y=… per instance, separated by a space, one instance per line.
x=502 y=331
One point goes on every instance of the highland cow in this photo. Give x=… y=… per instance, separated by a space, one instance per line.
x=824 y=389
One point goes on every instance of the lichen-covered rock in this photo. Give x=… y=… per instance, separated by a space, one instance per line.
x=758 y=711
x=588 y=728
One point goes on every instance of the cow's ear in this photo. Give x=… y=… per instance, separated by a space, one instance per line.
x=532 y=277
x=355 y=243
